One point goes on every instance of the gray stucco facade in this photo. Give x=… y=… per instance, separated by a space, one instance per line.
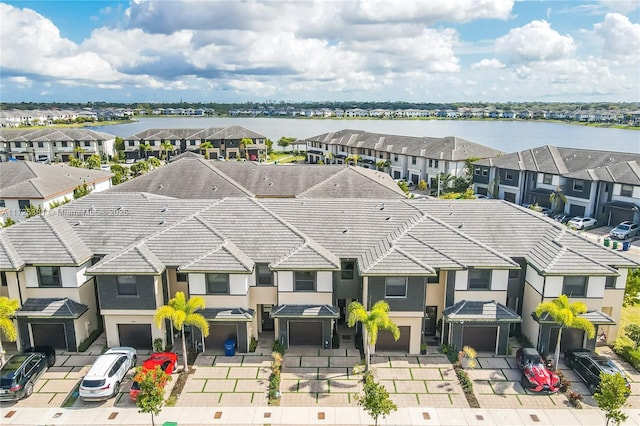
x=414 y=300
x=69 y=331
x=109 y=298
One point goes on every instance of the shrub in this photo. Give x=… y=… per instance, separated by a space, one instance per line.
x=157 y=345
x=278 y=347
x=465 y=381
x=574 y=398
x=253 y=344
x=564 y=383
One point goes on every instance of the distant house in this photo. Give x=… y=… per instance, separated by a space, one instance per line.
x=27 y=184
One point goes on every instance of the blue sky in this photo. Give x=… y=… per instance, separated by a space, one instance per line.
x=373 y=50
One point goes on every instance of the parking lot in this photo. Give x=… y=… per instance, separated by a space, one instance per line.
x=324 y=377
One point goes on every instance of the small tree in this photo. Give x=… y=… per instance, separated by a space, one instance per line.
x=168 y=148
x=632 y=289
x=205 y=147
x=557 y=199
x=374 y=320
x=93 y=162
x=8 y=308
x=566 y=315
x=145 y=148
x=633 y=333
x=375 y=399
x=284 y=142
x=611 y=396
x=74 y=162
x=151 y=396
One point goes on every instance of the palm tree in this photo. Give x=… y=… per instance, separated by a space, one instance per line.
x=146 y=148
x=494 y=188
x=557 y=199
x=182 y=312
x=355 y=158
x=8 y=308
x=375 y=319
x=79 y=152
x=382 y=164
x=328 y=158
x=565 y=314
x=167 y=147
x=205 y=146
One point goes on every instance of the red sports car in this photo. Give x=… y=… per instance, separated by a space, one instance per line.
x=167 y=361
x=535 y=374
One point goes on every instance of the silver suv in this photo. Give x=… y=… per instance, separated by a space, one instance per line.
x=625 y=230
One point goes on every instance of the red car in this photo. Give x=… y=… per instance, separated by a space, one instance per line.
x=535 y=374
x=167 y=361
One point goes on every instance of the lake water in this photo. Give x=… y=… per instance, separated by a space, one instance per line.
x=508 y=136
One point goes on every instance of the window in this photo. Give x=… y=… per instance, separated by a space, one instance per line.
x=304 y=281
x=485 y=171
x=40 y=144
x=18 y=144
x=547 y=179
x=264 y=277
x=87 y=143
x=479 y=279
x=63 y=144
x=181 y=277
x=575 y=286
x=610 y=282
x=626 y=190
x=217 y=283
x=3 y=278
x=395 y=287
x=348 y=268
x=395 y=157
x=509 y=175
x=476 y=170
x=2 y=203
x=126 y=285
x=578 y=185
x=435 y=163
x=132 y=143
x=414 y=160
x=49 y=276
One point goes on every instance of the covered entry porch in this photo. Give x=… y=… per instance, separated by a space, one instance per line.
x=571 y=337
x=225 y=324
x=305 y=325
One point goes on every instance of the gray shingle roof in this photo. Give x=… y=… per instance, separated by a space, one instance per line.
x=466 y=310
x=595 y=317
x=137 y=259
x=561 y=161
x=627 y=172
x=226 y=257
x=304 y=311
x=47 y=308
x=194 y=177
x=227 y=314
x=211 y=133
x=10 y=260
x=27 y=180
x=53 y=135
x=448 y=148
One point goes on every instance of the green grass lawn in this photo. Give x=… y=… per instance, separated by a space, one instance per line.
x=285 y=157
x=629 y=315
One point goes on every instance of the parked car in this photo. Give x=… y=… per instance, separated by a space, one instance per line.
x=625 y=230
x=20 y=373
x=167 y=361
x=535 y=374
x=563 y=218
x=47 y=350
x=589 y=365
x=480 y=197
x=580 y=222
x=107 y=372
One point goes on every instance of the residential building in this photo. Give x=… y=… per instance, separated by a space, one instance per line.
x=411 y=158
x=54 y=145
x=292 y=266
x=191 y=176
x=27 y=184
x=226 y=142
x=600 y=184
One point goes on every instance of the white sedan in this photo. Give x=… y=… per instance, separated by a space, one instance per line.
x=582 y=222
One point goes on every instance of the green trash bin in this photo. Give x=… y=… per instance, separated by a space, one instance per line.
x=170 y=424
x=607 y=242
x=615 y=245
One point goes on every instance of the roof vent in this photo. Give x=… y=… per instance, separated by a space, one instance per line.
x=120 y=207
x=345 y=230
x=460 y=226
x=382 y=206
x=78 y=223
x=215 y=188
x=165 y=208
x=160 y=186
x=387 y=218
x=162 y=222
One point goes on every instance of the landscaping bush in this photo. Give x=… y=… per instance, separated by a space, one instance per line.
x=157 y=345
x=574 y=398
x=253 y=344
x=274 y=378
x=335 y=341
x=278 y=347
x=564 y=383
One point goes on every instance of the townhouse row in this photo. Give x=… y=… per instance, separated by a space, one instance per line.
x=233 y=142
x=404 y=157
x=54 y=145
x=600 y=184
x=469 y=272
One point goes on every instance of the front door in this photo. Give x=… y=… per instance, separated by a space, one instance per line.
x=267 y=321
x=430 y=318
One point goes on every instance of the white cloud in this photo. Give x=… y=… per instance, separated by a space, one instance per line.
x=622 y=6
x=488 y=64
x=621 y=38
x=536 y=41
x=20 y=81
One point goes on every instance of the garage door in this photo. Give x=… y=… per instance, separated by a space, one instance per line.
x=49 y=335
x=305 y=333
x=387 y=344
x=571 y=338
x=575 y=210
x=219 y=333
x=135 y=335
x=482 y=339
x=617 y=216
